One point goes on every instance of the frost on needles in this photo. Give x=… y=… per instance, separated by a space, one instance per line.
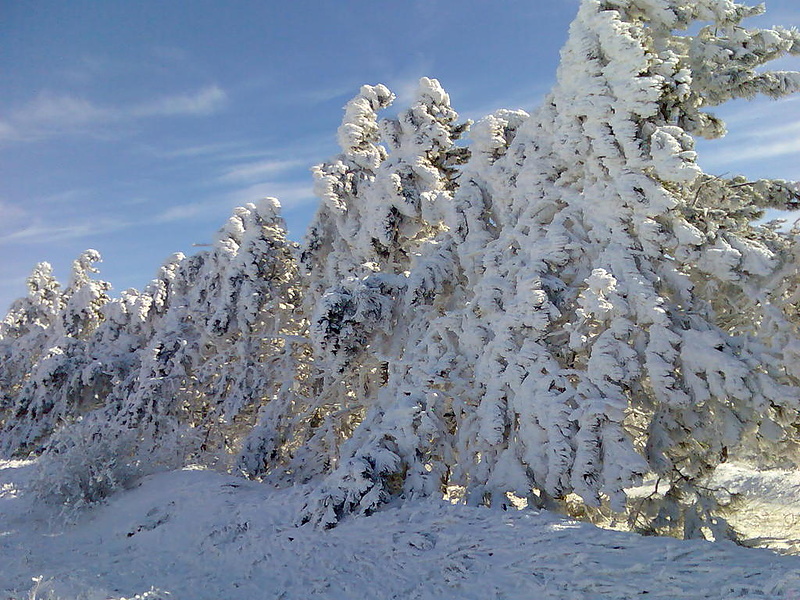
x=553 y=308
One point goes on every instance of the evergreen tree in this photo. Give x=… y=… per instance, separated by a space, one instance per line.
x=54 y=389
x=602 y=336
x=253 y=341
x=362 y=326
x=583 y=324
x=24 y=333
x=555 y=312
x=187 y=364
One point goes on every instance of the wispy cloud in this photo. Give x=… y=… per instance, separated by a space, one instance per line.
x=188 y=211
x=212 y=151
x=50 y=114
x=39 y=231
x=47 y=219
x=10 y=213
x=325 y=94
x=289 y=194
x=51 y=109
x=756 y=133
x=70 y=196
x=226 y=157
x=204 y=102
x=755 y=150
x=528 y=99
x=757 y=111
x=252 y=172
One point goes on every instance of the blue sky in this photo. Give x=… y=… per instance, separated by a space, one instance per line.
x=135 y=127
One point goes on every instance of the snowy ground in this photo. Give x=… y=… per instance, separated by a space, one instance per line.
x=198 y=535
x=767 y=505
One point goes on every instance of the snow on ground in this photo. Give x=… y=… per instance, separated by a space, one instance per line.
x=197 y=535
x=766 y=503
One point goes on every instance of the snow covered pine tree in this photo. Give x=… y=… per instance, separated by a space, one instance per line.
x=54 y=390
x=24 y=332
x=187 y=364
x=365 y=320
x=598 y=348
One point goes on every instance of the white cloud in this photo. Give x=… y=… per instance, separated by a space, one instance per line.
x=12 y=218
x=40 y=232
x=66 y=197
x=251 y=172
x=326 y=94
x=214 y=151
x=779 y=130
x=50 y=114
x=745 y=151
x=49 y=108
x=183 y=212
x=225 y=157
x=754 y=112
x=527 y=98
x=290 y=195
x=201 y=103
x=10 y=213
x=761 y=135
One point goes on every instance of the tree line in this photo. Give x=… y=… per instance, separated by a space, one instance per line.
x=545 y=308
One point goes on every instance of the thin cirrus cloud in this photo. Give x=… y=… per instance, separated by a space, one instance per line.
x=258 y=170
x=38 y=231
x=11 y=213
x=50 y=114
x=754 y=145
x=212 y=151
x=204 y=102
x=748 y=150
x=756 y=133
x=289 y=194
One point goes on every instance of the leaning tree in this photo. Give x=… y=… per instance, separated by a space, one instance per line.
x=609 y=349
x=53 y=390
x=616 y=311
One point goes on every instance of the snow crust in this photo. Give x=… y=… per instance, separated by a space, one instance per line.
x=203 y=535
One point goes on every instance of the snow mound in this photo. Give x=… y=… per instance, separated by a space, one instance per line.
x=198 y=534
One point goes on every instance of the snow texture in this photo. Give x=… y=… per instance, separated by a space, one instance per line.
x=204 y=535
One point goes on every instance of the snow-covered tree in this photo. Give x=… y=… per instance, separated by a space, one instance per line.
x=586 y=335
x=84 y=298
x=362 y=326
x=554 y=312
x=605 y=349
x=24 y=332
x=335 y=248
x=253 y=341
x=188 y=363
x=54 y=390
